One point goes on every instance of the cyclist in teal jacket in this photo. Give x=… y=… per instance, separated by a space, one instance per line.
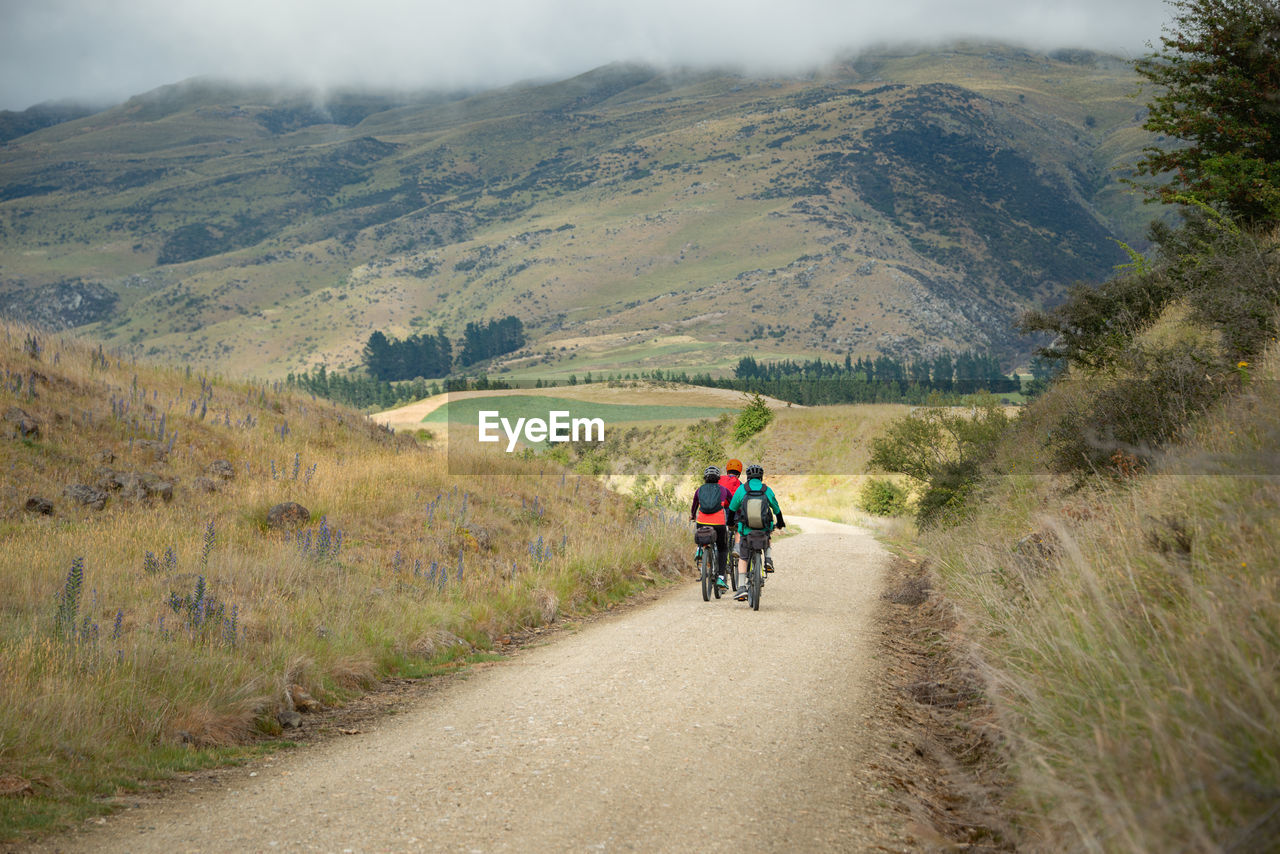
x=754 y=484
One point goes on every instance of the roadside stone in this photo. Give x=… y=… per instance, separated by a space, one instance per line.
x=13 y=786
x=83 y=493
x=36 y=504
x=289 y=719
x=26 y=425
x=303 y=701
x=288 y=514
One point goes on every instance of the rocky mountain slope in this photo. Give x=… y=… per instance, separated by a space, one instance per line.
x=896 y=203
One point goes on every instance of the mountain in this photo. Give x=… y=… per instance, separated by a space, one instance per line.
x=898 y=202
x=14 y=124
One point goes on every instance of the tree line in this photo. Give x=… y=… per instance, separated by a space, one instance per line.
x=814 y=382
x=362 y=391
x=962 y=373
x=389 y=359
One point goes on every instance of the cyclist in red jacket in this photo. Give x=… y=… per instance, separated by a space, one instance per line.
x=729 y=480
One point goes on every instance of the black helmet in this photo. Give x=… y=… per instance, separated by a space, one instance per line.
x=711 y=475
x=754 y=471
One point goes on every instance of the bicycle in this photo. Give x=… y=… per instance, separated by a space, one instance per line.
x=755 y=544
x=731 y=568
x=706 y=557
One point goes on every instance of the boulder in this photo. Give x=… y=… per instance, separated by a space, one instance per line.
x=204 y=484
x=36 y=504
x=83 y=493
x=288 y=514
x=158 y=450
x=161 y=489
x=222 y=469
x=135 y=486
x=26 y=426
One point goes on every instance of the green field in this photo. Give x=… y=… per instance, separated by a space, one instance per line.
x=512 y=407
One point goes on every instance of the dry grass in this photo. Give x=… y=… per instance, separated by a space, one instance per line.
x=159 y=662
x=1131 y=634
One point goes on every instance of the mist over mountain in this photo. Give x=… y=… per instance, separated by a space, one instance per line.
x=902 y=202
x=102 y=53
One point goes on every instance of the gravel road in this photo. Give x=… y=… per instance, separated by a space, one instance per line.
x=680 y=725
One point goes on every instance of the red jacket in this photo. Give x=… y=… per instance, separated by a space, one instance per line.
x=732 y=484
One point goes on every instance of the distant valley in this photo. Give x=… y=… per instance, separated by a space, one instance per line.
x=900 y=203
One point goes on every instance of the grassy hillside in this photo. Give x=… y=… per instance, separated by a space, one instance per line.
x=1129 y=633
x=632 y=219
x=1114 y=567
x=156 y=618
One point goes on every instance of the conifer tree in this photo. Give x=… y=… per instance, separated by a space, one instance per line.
x=1218 y=93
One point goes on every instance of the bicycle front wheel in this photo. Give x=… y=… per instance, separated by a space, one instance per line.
x=715 y=579
x=733 y=566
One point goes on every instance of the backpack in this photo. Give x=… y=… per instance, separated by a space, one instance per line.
x=756 y=511
x=710 y=498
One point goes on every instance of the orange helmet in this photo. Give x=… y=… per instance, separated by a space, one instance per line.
x=733 y=466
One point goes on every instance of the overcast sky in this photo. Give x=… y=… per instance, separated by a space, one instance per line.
x=106 y=50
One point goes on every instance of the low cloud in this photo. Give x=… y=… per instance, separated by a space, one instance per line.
x=107 y=50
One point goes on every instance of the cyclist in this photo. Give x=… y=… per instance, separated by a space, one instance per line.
x=755 y=508
x=708 y=508
x=729 y=480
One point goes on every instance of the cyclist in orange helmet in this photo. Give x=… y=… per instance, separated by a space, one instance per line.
x=729 y=480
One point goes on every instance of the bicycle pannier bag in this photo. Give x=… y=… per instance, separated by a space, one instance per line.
x=704 y=535
x=757 y=540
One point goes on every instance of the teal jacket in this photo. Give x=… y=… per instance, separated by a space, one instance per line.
x=741 y=496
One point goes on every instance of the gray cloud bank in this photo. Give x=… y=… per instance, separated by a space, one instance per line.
x=106 y=50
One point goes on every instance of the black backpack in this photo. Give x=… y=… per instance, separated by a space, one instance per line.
x=756 y=512
x=710 y=499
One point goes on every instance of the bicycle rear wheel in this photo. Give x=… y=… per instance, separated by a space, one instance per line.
x=706 y=573
x=754 y=581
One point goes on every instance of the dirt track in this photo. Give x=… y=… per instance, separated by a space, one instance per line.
x=677 y=726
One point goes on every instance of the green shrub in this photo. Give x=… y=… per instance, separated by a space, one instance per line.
x=883 y=498
x=702 y=448
x=1230 y=277
x=1118 y=427
x=944 y=449
x=753 y=418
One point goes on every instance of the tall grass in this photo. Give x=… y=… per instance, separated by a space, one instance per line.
x=1131 y=634
x=154 y=634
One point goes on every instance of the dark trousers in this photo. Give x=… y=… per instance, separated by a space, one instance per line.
x=722 y=546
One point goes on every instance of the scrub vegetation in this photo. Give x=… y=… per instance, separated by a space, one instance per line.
x=166 y=606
